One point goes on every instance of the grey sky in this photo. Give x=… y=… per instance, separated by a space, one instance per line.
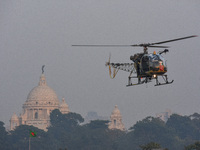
x=34 y=33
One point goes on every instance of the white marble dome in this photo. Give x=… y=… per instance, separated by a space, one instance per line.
x=42 y=92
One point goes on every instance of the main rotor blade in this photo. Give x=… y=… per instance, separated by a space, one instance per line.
x=104 y=45
x=159 y=46
x=173 y=40
x=140 y=45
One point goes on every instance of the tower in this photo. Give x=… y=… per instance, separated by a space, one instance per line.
x=116 y=120
x=64 y=107
x=14 y=121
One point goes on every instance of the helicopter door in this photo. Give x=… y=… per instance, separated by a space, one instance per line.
x=145 y=63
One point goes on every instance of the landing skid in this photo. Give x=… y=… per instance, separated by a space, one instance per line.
x=140 y=81
x=164 y=83
x=133 y=84
x=165 y=78
x=149 y=79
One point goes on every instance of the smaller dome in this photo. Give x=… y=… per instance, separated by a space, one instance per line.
x=64 y=107
x=116 y=111
x=14 y=117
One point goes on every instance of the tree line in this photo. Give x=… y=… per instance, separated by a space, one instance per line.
x=67 y=132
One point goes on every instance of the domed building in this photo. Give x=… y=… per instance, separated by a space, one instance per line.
x=36 y=110
x=116 y=120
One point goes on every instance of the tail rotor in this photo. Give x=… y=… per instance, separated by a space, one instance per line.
x=114 y=69
x=108 y=63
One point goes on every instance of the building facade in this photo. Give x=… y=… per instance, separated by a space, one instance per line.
x=41 y=101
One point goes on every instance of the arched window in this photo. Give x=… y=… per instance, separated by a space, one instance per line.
x=36 y=115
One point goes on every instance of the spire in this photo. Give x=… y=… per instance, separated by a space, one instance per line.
x=42 y=80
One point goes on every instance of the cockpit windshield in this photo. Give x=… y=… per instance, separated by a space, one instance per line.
x=153 y=62
x=156 y=59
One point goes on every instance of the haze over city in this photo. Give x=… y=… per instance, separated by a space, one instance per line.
x=37 y=33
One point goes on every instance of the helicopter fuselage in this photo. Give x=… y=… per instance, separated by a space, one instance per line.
x=149 y=64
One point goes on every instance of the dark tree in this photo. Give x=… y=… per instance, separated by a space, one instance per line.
x=19 y=138
x=65 y=128
x=3 y=137
x=184 y=127
x=195 y=146
x=150 y=146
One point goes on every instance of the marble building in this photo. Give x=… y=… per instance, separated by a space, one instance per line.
x=37 y=108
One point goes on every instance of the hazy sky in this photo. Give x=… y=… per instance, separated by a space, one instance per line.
x=40 y=32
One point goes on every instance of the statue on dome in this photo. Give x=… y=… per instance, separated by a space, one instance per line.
x=43 y=69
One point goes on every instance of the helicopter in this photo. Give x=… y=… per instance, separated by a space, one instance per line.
x=146 y=66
